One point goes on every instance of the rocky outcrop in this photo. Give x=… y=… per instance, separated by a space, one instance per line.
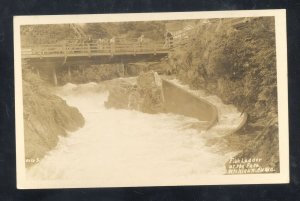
x=46 y=117
x=145 y=94
x=119 y=90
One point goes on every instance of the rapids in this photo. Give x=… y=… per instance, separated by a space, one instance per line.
x=128 y=148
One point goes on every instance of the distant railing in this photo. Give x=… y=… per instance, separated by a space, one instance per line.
x=185 y=36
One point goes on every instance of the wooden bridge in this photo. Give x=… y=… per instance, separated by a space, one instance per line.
x=75 y=50
x=87 y=52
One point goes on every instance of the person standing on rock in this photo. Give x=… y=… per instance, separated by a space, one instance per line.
x=140 y=41
x=168 y=39
x=112 y=42
x=100 y=43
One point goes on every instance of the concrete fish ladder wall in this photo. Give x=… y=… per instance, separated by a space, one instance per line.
x=180 y=101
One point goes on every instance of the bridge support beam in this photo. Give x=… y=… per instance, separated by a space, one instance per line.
x=125 y=69
x=122 y=70
x=69 y=73
x=54 y=76
x=38 y=72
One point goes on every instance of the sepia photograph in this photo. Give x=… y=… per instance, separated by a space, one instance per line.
x=151 y=99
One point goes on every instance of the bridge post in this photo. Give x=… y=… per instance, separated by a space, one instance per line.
x=69 y=73
x=89 y=49
x=54 y=76
x=122 y=70
x=125 y=69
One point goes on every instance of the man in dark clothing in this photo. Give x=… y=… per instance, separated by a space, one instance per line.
x=169 y=39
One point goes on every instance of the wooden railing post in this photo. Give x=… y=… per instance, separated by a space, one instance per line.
x=54 y=76
x=65 y=50
x=89 y=49
x=154 y=47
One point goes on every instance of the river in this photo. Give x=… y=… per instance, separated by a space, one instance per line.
x=128 y=148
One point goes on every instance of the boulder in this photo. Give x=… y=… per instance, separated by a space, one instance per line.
x=119 y=91
x=144 y=95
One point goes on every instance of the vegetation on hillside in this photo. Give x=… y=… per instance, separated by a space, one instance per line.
x=45 y=34
x=57 y=33
x=238 y=63
x=151 y=30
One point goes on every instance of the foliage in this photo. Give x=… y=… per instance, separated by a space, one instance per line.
x=53 y=33
x=45 y=34
x=238 y=63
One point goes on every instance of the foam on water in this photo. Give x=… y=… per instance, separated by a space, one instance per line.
x=127 y=147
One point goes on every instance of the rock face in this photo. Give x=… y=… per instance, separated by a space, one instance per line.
x=119 y=90
x=134 y=69
x=90 y=73
x=46 y=116
x=150 y=90
x=145 y=94
x=161 y=67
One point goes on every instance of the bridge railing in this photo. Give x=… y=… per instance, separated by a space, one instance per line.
x=185 y=36
x=93 y=48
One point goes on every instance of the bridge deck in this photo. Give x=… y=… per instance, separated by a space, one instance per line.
x=92 y=49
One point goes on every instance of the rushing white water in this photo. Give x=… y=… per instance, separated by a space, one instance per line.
x=127 y=148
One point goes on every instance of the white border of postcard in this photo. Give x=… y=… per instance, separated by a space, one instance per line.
x=281 y=56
